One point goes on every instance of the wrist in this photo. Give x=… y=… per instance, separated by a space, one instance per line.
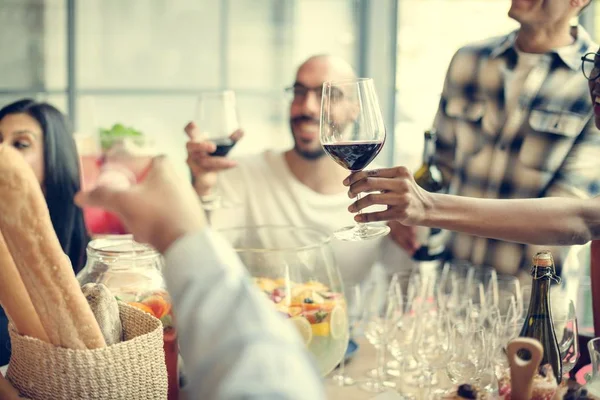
x=169 y=232
x=163 y=242
x=430 y=207
x=201 y=188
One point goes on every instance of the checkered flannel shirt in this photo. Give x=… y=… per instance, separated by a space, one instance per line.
x=547 y=146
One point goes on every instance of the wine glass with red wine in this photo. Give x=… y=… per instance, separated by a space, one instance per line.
x=217 y=120
x=353 y=133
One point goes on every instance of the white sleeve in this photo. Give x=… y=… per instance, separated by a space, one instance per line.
x=394 y=259
x=233 y=342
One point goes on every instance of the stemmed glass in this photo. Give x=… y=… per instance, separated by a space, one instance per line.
x=355 y=315
x=565 y=326
x=433 y=350
x=383 y=312
x=353 y=133
x=217 y=118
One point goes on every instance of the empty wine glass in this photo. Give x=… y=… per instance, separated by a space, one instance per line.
x=433 y=350
x=565 y=326
x=353 y=133
x=218 y=122
x=469 y=353
x=382 y=314
x=394 y=291
x=355 y=314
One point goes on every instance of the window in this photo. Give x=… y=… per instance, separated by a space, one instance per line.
x=148 y=74
x=143 y=62
x=428 y=37
x=32 y=45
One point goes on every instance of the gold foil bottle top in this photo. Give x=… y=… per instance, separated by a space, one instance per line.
x=543 y=259
x=543 y=266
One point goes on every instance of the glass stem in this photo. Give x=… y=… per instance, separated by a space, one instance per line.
x=360 y=227
x=342 y=367
x=208 y=214
x=381 y=361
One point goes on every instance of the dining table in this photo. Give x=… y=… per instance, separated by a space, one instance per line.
x=357 y=367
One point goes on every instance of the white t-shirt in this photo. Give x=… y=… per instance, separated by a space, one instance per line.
x=267 y=193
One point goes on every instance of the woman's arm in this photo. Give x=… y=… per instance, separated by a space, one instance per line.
x=548 y=221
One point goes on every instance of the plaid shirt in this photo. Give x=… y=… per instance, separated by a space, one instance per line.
x=546 y=146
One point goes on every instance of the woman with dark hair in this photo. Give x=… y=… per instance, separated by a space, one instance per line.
x=44 y=136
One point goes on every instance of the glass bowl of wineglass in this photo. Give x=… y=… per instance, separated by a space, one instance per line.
x=217 y=118
x=353 y=134
x=295 y=268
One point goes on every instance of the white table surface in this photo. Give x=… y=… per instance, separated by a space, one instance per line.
x=364 y=360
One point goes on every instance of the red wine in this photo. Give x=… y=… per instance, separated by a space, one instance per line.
x=354 y=155
x=224 y=145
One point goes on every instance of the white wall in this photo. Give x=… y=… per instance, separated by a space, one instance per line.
x=430 y=32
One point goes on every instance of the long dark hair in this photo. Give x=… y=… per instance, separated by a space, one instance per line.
x=61 y=176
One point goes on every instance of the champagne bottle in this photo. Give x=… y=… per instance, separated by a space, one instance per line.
x=538 y=322
x=429 y=177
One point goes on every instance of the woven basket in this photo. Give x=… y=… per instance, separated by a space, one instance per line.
x=132 y=369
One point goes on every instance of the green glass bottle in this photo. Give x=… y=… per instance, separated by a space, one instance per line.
x=538 y=322
x=429 y=177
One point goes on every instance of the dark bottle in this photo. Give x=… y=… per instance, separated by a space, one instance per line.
x=429 y=177
x=538 y=322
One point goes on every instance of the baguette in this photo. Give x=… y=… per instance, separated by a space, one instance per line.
x=15 y=300
x=105 y=307
x=45 y=269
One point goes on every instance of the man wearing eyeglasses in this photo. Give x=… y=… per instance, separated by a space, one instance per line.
x=301 y=186
x=514 y=121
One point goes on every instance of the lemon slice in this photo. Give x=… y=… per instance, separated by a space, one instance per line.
x=339 y=322
x=321 y=329
x=304 y=328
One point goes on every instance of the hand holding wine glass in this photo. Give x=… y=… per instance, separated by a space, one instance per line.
x=353 y=133
x=214 y=133
x=204 y=160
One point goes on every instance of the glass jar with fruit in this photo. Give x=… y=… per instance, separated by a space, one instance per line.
x=133 y=273
x=295 y=268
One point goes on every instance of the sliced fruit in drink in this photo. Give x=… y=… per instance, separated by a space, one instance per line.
x=159 y=305
x=338 y=320
x=315 y=316
x=321 y=329
x=294 y=311
x=304 y=328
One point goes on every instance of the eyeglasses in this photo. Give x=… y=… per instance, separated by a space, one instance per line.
x=589 y=66
x=299 y=92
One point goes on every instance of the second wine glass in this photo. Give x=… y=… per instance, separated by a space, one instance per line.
x=217 y=118
x=353 y=133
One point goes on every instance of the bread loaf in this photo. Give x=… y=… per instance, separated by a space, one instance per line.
x=15 y=300
x=45 y=270
x=105 y=307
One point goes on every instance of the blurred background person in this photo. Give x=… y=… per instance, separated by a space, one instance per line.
x=301 y=186
x=44 y=137
x=515 y=121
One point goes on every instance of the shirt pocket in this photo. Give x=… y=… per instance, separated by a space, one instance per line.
x=467 y=116
x=550 y=138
